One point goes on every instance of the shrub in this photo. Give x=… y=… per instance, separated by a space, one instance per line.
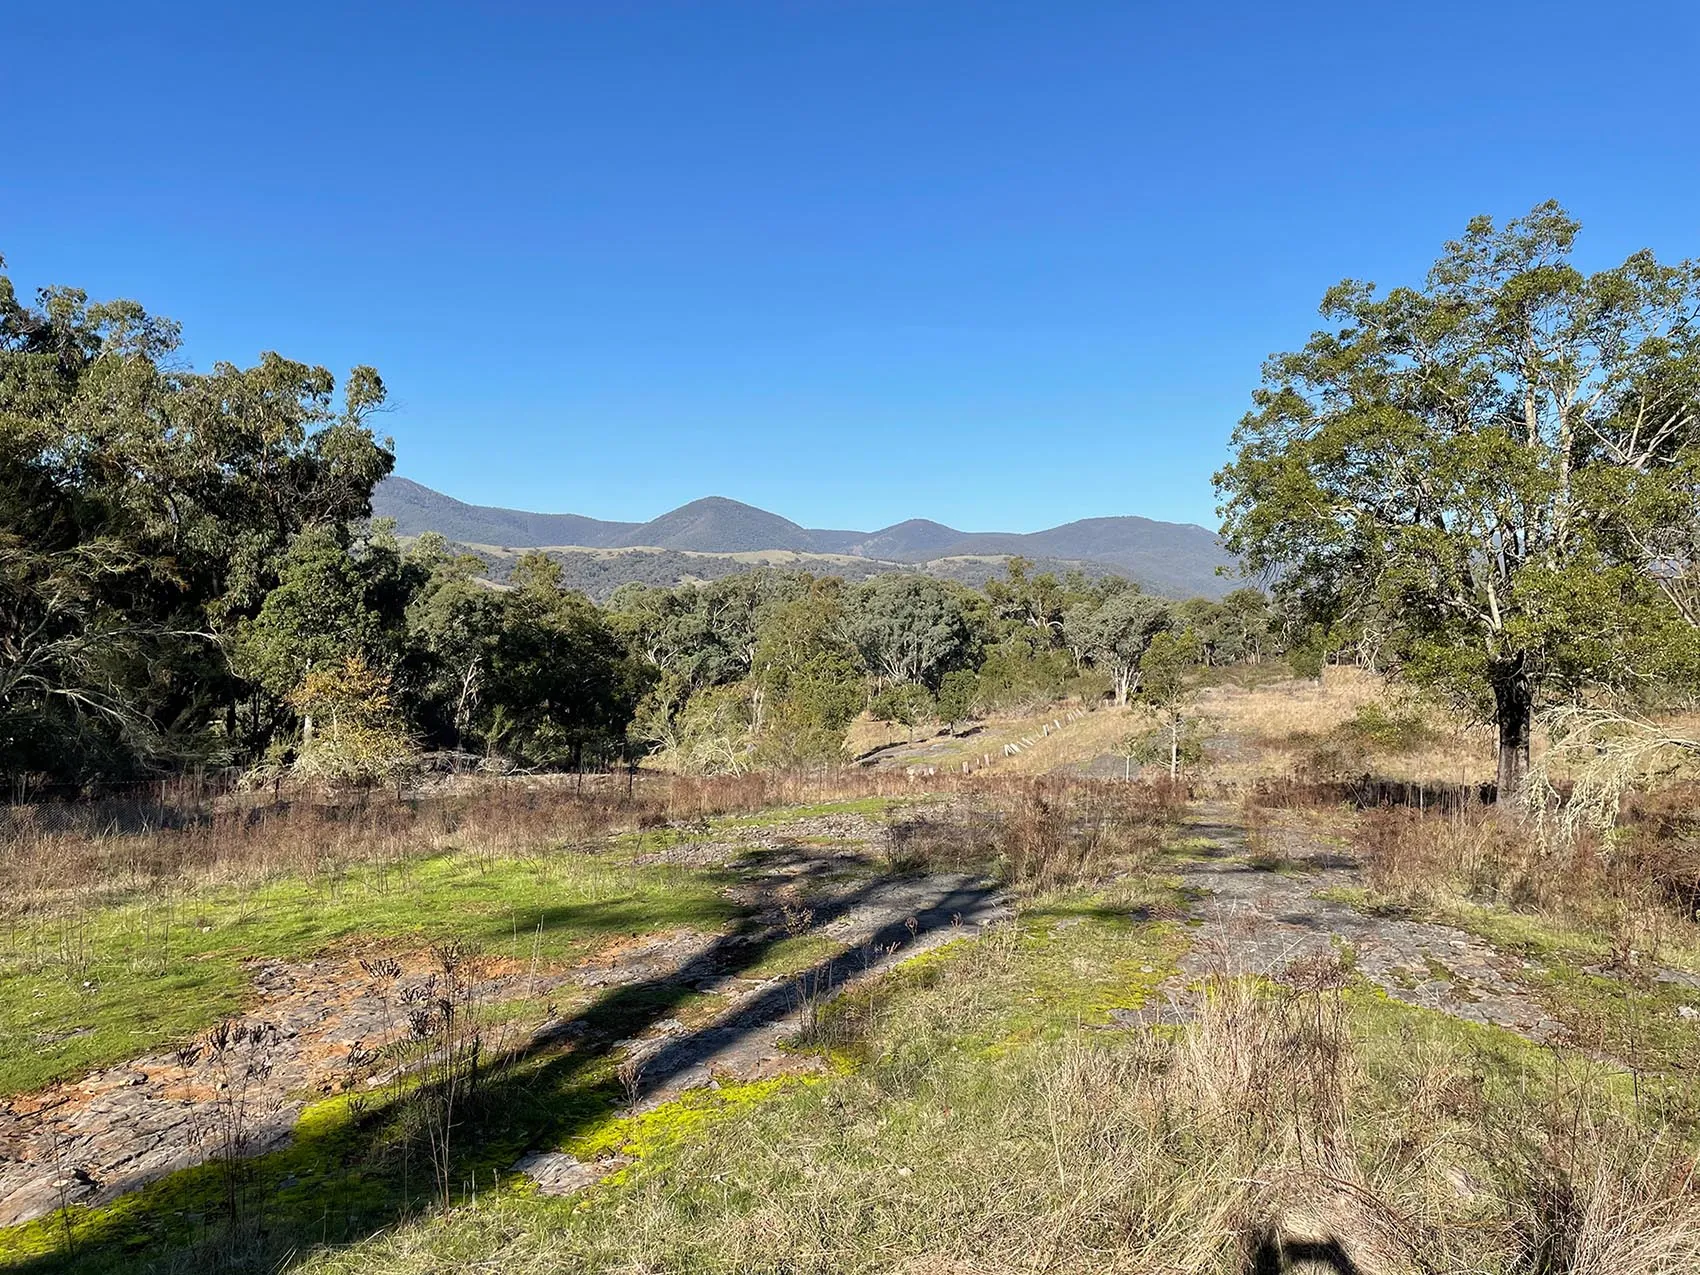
x=959 y=691
x=1375 y=727
x=906 y=704
x=353 y=732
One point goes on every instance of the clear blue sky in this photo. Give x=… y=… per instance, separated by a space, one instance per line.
x=1003 y=265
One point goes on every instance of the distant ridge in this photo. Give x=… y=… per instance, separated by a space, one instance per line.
x=1177 y=559
x=418 y=509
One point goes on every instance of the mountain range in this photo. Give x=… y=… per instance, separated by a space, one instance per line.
x=1176 y=559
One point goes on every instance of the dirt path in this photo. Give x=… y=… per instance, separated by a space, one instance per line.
x=1257 y=920
x=120 y=1128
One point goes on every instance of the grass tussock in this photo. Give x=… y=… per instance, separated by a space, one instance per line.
x=1040 y=835
x=1262 y=1134
x=1638 y=888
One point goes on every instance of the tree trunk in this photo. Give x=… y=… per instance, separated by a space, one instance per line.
x=1514 y=712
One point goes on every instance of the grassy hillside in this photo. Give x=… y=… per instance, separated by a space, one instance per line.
x=597 y=572
x=715 y=536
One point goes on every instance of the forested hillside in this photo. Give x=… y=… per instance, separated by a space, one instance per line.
x=193 y=581
x=1175 y=559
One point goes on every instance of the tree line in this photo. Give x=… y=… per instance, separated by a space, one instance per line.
x=1487 y=484
x=770 y=668
x=189 y=577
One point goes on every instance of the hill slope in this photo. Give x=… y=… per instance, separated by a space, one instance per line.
x=418 y=509
x=1177 y=559
x=718 y=525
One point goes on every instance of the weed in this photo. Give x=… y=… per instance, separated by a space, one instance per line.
x=237 y=1056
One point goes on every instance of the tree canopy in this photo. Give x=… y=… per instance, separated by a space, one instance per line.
x=1495 y=470
x=145 y=511
x=189 y=576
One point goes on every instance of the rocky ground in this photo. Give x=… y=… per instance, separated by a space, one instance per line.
x=820 y=882
x=1264 y=914
x=311 y=1023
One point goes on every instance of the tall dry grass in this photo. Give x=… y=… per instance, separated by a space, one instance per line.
x=87 y=854
x=1641 y=886
x=1039 y=834
x=1262 y=1136
x=97 y=851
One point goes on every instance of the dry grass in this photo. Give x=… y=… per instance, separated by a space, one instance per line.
x=1640 y=890
x=986 y=737
x=1263 y=1134
x=1079 y=742
x=1040 y=835
x=108 y=850
x=1269 y=727
x=1306 y=727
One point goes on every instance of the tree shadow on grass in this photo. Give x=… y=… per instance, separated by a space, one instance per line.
x=344 y=1176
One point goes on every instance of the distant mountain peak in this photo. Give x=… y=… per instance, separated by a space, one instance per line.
x=1178 y=559
x=716 y=524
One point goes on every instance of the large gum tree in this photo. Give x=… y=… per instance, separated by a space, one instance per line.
x=1490 y=463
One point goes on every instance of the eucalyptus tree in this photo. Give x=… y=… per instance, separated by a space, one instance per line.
x=1114 y=630
x=1032 y=602
x=1456 y=459
x=454 y=623
x=144 y=509
x=562 y=686
x=909 y=628
x=807 y=685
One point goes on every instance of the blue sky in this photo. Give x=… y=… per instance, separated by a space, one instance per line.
x=1003 y=265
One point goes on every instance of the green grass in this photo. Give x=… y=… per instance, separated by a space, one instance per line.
x=793 y=954
x=940 y=1131
x=930 y=1049
x=937 y=1134
x=964 y=1135
x=149 y=973
x=1565 y=968
x=871 y=807
x=1070 y=959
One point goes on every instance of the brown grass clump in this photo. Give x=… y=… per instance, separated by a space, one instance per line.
x=1040 y=834
x=1477 y=854
x=1258 y=1138
x=98 y=851
x=1635 y=889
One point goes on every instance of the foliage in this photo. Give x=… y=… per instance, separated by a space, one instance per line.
x=959 y=691
x=808 y=681
x=1390 y=732
x=1015 y=675
x=321 y=613
x=909 y=628
x=1165 y=687
x=1114 y=631
x=560 y=673
x=144 y=514
x=1494 y=471
x=358 y=734
x=1233 y=630
x=907 y=704
x=188 y=576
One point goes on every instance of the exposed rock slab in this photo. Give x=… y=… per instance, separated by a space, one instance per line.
x=1258 y=921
